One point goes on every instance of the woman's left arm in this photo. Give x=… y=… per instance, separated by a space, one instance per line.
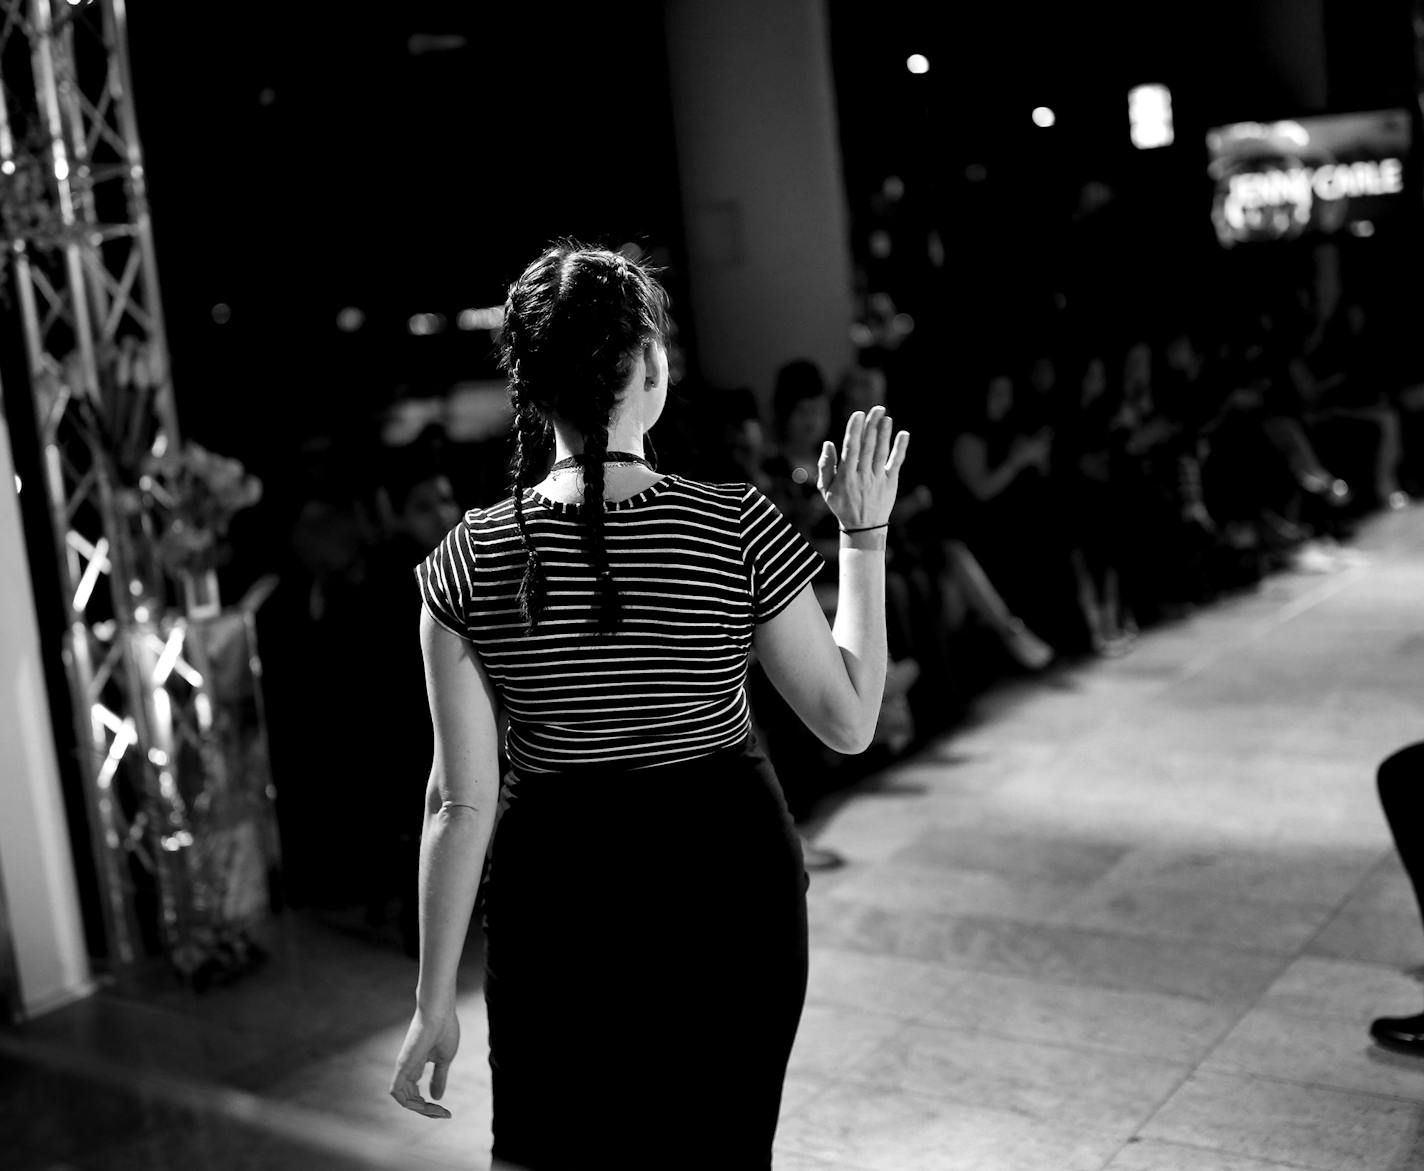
x=460 y=804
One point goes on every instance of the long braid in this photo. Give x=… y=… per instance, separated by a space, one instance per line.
x=595 y=447
x=573 y=324
x=528 y=430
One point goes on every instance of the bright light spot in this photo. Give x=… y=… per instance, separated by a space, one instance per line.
x=1044 y=117
x=158 y=757
x=222 y=313
x=491 y=318
x=1149 y=116
x=140 y=613
x=893 y=188
x=61 y=169
x=18 y=485
x=1363 y=228
x=350 y=319
x=169 y=658
x=7 y=167
x=425 y=324
x=917 y=63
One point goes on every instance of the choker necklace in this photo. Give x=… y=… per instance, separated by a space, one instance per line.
x=612 y=457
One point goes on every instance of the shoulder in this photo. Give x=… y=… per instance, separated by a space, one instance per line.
x=710 y=493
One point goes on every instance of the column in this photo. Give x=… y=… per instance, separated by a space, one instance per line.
x=36 y=865
x=763 y=198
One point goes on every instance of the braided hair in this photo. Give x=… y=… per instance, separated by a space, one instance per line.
x=574 y=324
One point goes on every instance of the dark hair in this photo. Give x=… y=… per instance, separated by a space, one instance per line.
x=573 y=325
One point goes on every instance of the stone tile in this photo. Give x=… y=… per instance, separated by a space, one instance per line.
x=1265 y=874
x=1328 y=1052
x=1279 y=928
x=1050 y=854
x=1159 y=1156
x=871 y=983
x=1368 y=936
x=1049 y=952
x=1303 y=1125
x=1319 y=988
x=910 y=1132
x=911 y=887
x=456 y=1140
x=1105 y=1092
x=151 y=1037
x=799 y=1088
x=832 y=1038
x=1148 y=1024
x=785 y=1160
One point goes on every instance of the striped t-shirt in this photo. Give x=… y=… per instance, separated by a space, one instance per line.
x=696 y=567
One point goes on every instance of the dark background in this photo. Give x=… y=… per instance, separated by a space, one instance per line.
x=304 y=160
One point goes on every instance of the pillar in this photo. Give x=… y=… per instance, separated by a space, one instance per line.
x=41 y=911
x=770 y=276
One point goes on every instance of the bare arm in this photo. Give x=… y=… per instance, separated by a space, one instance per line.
x=460 y=803
x=971 y=461
x=834 y=678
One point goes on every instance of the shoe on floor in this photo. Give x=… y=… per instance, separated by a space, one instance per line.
x=816 y=857
x=1402 y=1033
x=1025 y=646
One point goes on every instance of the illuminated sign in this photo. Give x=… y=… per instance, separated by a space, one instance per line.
x=1281 y=180
x=1149 y=116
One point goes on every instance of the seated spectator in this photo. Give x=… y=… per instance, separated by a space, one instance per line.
x=1007 y=515
x=1343 y=397
x=1083 y=468
x=1156 y=479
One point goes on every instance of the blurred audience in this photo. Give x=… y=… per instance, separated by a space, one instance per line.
x=1084 y=483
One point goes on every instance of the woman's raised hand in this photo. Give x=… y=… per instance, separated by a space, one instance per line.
x=860 y=484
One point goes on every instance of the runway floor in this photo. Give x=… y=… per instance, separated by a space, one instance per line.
x=1135 y=917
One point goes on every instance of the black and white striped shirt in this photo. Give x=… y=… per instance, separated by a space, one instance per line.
x=696 y=567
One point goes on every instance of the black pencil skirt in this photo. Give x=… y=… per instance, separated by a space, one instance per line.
x=645 y=965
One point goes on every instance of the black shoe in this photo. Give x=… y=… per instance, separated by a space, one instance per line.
x=1402 y=1033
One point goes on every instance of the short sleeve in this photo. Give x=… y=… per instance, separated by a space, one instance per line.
x=781 y=560
x=446 y=579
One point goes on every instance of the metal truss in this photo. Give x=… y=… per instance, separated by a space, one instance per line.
x=87 y=290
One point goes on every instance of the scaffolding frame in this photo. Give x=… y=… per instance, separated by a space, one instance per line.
x=86 y=286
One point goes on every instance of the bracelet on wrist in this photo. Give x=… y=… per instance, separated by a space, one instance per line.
x=866 y=529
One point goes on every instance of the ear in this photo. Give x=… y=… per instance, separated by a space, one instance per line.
x=655 y=370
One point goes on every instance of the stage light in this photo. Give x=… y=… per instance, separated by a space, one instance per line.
x=222 y=313
x=350 y=319
x=61 y=169
x=425 y=324
x=1149 y=116
x=917 y=63
x=1044 y=117
x=491 y=318
x=7 y=167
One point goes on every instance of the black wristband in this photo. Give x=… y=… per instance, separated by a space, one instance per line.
x=867 y=529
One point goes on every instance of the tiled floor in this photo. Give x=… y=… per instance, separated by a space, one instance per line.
x=1135 y=918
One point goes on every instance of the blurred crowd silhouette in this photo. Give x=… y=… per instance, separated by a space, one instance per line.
x=1068 y=489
